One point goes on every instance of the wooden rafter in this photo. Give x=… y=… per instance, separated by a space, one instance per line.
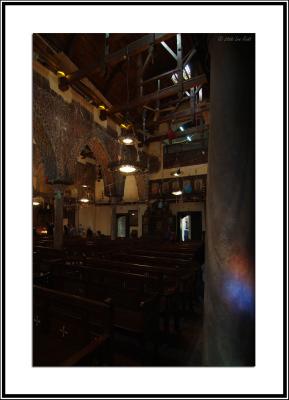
x=169 y=50
x=194 y=130
x=160 y=94
x=182 y=115
x=136 y=47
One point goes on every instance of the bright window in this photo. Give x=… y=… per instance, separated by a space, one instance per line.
x=186 y=74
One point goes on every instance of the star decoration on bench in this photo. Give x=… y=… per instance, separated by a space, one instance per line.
x=63 y=331
x=37 y=320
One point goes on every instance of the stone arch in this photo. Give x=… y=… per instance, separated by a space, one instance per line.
x=39 y=174
x=105 y=149
x=63 y=129
x=43 y=151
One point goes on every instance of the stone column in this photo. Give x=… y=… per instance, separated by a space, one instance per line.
x=229 y=328
x=113 y=229
x=58 y=216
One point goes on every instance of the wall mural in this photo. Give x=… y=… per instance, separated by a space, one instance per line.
x=61 y=130
x=193 y=188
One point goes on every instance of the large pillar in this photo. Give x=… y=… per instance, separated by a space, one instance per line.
x=230 y=259
x=58 y=216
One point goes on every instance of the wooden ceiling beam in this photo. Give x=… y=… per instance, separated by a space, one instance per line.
x=170 y=104
x=52 y=61
x=160 y=94
x=70 y=44
x=176 y=115
x=136 y=47
x=169 y=50
x=171 y=72
x=149 y=56
x=180 y=66
x=45 y=51
x=194 y=130
x=189 y=56
x=181 y=115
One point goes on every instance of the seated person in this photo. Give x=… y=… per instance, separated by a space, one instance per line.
x=89 y=233
x=99 y=234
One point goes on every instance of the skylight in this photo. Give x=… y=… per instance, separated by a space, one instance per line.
x=186 y=74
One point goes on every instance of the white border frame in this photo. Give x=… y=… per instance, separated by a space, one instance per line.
x=267 y=23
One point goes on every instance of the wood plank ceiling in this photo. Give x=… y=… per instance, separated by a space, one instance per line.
x=116 y=64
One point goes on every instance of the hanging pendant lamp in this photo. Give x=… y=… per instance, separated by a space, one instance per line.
x=127 y=136
x=176 y=189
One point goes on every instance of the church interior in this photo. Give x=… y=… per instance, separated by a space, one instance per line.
x=143 y=199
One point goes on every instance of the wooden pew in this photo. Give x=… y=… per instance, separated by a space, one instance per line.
x=177 y=276
x=164 y=253
x=149 y=260
x=69 y=329
x=167 y=282
x=134 y=297
x=42 y=254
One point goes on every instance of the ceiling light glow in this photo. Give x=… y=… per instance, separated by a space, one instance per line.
x=127 y=169
x=127 y=140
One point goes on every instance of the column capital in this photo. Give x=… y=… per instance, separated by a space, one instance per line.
x=58 y=190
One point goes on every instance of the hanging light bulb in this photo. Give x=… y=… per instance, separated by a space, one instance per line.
x=84 y=200
x=176 y=188
x=126 y=162
x=178 y=172
x=124 y=166
x=127 y=140
x=127 y=135
x=177 y=193
x=127 y=169
x=37 y=201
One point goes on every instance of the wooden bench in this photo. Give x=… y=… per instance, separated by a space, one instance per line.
x=163 y=253
x=149 y=260
x=133 y=296
x=106 y=277
x=69 y=329
x=177 y=277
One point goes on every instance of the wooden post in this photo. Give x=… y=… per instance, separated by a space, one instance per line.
x=180 y=65
x=139 y=74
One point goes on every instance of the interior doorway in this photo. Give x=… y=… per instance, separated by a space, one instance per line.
x=185 y=228
x=121 y=225
x=189 y=226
